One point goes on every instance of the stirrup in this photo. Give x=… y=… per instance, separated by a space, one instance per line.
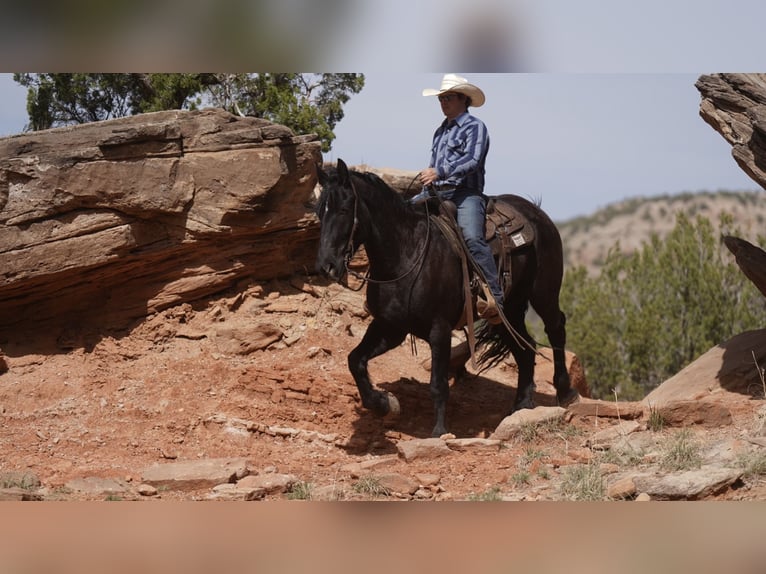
x=488 y=310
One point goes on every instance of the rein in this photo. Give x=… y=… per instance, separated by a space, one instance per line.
x=350 y=246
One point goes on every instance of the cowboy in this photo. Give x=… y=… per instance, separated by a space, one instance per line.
x=456 y=172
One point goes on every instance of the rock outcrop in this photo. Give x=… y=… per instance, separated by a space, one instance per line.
x=104 y=223
x=751 y=260
x=735 y=106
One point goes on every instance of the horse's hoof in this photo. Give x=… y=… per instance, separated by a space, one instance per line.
x=394 y=409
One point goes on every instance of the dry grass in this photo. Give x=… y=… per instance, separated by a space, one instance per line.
x=23 y=480
x=370 y=486
x=656 y=421
x=753 y=464
x=583 y=482
x=492 y=494
x=682 y=452
x=300 y=491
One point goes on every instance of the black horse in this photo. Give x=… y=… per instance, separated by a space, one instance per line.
x=415 y=285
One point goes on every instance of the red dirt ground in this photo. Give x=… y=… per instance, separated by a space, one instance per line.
x=176 y=388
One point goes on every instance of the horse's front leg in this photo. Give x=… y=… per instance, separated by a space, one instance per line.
x=377 y=340
x=440 y=360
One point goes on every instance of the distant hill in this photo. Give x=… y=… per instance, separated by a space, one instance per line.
x=631 y=222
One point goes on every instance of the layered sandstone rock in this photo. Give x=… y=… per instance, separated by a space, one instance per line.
x=104 y=223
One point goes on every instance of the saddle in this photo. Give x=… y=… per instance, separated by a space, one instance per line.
x=506 y=231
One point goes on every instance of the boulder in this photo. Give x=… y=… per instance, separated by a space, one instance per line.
x=513 y=424
x=586 y=407
x=687 y=485
x=422 y=449
x=729 y=367
x=195 y=474
x=102 y=224
x=707 y=413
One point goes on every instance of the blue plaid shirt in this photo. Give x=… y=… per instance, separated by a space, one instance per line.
x=459 y=152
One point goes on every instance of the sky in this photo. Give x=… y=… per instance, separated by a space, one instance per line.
x=588 y=102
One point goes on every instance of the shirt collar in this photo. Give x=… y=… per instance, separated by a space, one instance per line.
x=460 y=120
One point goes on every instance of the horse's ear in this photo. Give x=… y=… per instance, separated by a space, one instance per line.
x=343 y=175
x=321 y=175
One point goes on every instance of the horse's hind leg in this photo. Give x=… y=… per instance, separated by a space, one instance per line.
x=377 y=340
x=555 y=327
x=524 y=354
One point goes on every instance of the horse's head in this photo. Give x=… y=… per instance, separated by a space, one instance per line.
x=337 y=212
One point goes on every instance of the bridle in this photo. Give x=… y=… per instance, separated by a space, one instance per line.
x=350 y=245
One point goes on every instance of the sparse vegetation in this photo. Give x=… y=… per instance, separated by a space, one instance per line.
x=622 y=456
x=753 y=464
x=521 y=477
x=530 y=455
x=682 y=452
x=22 y=480
x=529 y=432
x=301 y=490
x=492 y=494
x=656 y=421
x=370 y=485
x=583 y=482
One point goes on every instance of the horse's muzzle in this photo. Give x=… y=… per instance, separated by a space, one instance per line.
x=334 y=272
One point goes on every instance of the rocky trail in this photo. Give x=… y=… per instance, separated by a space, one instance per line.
x=247 y=396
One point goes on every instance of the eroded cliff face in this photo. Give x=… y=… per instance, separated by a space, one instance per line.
x=102 y=224
x=735 y=106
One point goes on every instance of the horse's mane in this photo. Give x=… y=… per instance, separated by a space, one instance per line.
x=372 y=189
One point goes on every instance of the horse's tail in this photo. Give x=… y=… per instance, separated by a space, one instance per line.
x=497 y=343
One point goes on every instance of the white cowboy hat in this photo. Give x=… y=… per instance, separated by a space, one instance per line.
x=455 y=83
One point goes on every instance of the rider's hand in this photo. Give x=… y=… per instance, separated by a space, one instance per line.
x=428 y=176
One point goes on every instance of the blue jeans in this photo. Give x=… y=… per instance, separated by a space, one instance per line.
x=471 y=214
